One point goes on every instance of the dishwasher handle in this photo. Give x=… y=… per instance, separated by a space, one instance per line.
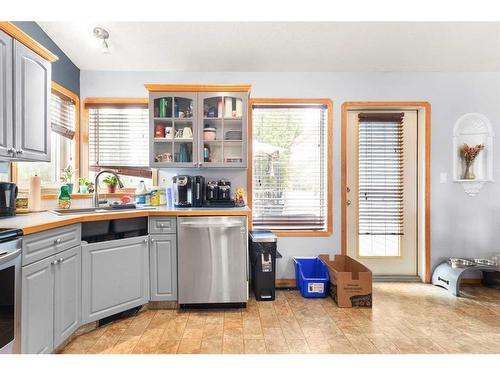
x=8 y=256
x=211 y=224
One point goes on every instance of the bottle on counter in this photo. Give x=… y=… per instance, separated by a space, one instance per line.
x=155 y=196
x=141 y=193
x=64 y=198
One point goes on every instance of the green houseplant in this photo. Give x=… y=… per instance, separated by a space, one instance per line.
x=84 y=183
x=111 y=182
x=67 y=177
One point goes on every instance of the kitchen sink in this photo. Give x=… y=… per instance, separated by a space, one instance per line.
x=95 y=210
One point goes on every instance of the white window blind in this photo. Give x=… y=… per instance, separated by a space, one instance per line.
x=380 y=182
x=118 y=139
x=62 y=116
x=289 y=184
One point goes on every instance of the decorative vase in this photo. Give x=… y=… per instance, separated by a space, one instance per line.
x=70 y=187
x=83 y=189
x=111 y=189
x=469 y=171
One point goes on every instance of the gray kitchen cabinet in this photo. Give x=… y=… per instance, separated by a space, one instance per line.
x=67 y=294
x=37 y=311
x=163 y=224
x=32 y=83
x=115 y=277
x=6 y=127
x=163 y=267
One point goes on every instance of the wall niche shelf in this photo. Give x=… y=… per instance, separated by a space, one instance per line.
x=473 y=129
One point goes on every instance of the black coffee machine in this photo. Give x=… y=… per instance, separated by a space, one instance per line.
x=198 y=191
x=8 y=195
x=219 y=194
x=183 y=190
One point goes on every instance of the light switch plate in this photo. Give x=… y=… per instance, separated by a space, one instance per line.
x=443 y=177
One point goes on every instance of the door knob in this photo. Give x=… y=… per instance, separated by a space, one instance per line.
x=152 y=240
x=348 y=202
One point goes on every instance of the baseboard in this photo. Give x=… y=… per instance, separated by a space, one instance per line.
x=285 y=283
x=471 y=282
x=396 y=278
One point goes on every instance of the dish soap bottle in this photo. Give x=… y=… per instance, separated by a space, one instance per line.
x=64 y=198
x=140 y=193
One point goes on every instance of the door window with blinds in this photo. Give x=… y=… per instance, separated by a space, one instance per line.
x=118 y=140
x=380 y=184
x=290 y=166
x=63 y=129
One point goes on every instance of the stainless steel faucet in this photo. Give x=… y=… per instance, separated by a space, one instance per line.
x=96 y=185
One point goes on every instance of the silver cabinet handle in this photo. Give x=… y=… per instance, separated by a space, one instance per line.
x=19 y=151
x=146 y=240
x=201 y=224
x=11 y=150
x=57 y=241
x=161 y=225
x=54 y=262
x=152 y=240
x=60 y=260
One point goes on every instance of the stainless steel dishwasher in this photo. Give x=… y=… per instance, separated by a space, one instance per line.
x=212 y=260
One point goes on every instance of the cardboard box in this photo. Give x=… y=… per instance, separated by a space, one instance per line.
x=350 y=281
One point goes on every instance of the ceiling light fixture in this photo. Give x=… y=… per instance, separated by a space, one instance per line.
x=102 y=36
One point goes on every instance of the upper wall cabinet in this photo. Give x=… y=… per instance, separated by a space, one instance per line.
x=25 y=80
x=31 y=104
x=205 y=127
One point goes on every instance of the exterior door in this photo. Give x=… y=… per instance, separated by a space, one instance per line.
x=32 y=77
x=6 y=127
x=382 y=191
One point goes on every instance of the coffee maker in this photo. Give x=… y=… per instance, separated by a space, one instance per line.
x=224 y=190
x=198 y=191
x=212 y=191
x=8 y=195
x=183 y=190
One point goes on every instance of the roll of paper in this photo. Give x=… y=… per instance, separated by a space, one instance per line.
x=239 y=108
x=35 y=197
x=228 y=107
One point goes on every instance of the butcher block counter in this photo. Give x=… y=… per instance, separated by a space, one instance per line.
x=40 y=221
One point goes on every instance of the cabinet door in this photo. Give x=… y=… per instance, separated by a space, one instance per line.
x=115 y=277
x=31 y=104
x=163 y=267
x=37 y=321
x=173 y=129
x=223 y=129
x=67 y=299
x=6 y=127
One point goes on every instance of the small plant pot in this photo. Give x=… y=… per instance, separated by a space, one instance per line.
x=83 y=189
x=111 y=189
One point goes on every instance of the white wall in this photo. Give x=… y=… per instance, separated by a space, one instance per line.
x=461 y=225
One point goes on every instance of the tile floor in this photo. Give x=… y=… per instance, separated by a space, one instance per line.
x=406 y=318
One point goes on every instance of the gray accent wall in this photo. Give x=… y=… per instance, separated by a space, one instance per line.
x=461 y=225
x=64 y=71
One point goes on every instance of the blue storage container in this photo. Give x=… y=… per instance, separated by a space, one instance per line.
x=311 y=276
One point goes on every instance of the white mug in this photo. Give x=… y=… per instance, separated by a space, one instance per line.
x=187 y=133
x=169 y=132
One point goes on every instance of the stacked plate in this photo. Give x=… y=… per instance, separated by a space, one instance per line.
x=233 y=135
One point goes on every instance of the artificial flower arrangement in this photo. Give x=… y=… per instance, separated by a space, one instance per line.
x=469 y=154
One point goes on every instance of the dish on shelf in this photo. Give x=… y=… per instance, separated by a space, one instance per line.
x=233 y=160
x=460 y=262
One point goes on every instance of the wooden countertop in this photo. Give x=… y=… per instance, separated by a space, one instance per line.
x=40 y=221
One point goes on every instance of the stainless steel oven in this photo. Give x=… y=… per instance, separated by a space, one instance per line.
x=10 y=291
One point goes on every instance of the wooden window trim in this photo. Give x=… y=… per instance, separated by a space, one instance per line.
x=329 y=217
x=85 y=128
x=63 y=92
x=426 y=106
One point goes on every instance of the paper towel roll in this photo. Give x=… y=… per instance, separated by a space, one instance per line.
x=239 y=108
x=228 y=107
x=35 y=197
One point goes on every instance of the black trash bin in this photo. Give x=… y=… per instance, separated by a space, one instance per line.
x=263 y=254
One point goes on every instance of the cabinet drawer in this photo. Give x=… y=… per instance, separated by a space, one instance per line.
x=160 y=224
x=43 y=244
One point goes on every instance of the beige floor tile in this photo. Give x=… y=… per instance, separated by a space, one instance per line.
x=193 y=333
x=189 y=346
x=298 y=346
x=253 y=346
x=213 y=331
x=232 y=345
x=212 y=345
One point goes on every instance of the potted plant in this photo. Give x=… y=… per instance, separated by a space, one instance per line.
x=67 y=177
x=84 y=184
x=111 y=182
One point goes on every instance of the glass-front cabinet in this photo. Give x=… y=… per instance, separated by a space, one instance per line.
x=173 y=130
x=198 y=129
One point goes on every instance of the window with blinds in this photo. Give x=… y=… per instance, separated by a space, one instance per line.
x=62 y=116
x=290 y=166
x=118 y=139
x=380 y=183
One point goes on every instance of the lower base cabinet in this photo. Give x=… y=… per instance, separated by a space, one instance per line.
x=50 y=310
x=115 y=277
x=163 y=267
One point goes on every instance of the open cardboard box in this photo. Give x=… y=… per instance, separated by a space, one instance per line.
x=350 y=281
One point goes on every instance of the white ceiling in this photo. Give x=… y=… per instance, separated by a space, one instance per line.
x=287 y=46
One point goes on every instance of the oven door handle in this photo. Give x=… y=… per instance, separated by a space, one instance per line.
x=9 y=256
